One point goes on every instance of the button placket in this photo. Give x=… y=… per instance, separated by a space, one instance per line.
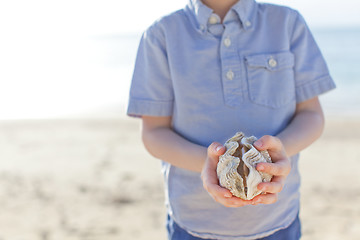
x=231 y=67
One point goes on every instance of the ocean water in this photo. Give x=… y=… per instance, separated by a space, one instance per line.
x=341 y=49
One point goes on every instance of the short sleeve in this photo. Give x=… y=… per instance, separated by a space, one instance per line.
x=312 y=76
x=151 y=91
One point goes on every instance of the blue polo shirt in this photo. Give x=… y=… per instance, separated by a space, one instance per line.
x=245 y=74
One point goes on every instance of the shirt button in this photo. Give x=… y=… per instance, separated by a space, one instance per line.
x=272 y=62
x=230 y=75
x=214 y=19
x=248 y=23
x=227 y=42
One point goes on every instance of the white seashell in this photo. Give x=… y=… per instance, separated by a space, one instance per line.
x=236 y=169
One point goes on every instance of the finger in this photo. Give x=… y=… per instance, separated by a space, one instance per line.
x=275 y=186
x=268 y=198
x=281 y=167
x=222 y=195
x=268 y=142
x=211 y=182
x=217 y=191
x=215 y=149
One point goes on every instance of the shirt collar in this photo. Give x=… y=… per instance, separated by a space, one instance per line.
x=245 y=10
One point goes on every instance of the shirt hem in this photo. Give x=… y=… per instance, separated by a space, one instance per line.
x=237 y=237
x=314 y=88
x=140 y=107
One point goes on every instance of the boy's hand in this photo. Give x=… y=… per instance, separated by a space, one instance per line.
x=211 y=182
x=279 y=168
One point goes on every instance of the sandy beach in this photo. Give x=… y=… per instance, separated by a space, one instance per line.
x=92 y=179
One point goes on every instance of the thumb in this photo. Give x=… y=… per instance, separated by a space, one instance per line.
x=216 y=149
x=269 y=143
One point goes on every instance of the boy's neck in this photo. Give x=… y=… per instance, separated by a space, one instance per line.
x=220 y=7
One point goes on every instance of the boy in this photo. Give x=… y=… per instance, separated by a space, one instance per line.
x=214 y=68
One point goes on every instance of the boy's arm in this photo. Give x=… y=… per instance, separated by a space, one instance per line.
x=306 y=126
x=165 y=144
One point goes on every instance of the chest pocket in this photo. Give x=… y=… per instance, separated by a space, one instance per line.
x=271 y=79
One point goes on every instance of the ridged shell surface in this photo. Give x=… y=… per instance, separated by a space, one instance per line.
x=236 y=169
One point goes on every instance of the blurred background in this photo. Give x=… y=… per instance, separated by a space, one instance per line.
x=71 y=163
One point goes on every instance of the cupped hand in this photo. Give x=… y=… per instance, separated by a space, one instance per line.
x=279 y=168
x=211 y=182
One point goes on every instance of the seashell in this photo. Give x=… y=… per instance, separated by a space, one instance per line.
x=236 y=168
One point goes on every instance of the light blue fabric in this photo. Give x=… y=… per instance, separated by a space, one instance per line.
x=247 y=75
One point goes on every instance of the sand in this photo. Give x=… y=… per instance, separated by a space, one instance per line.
x=92 y=179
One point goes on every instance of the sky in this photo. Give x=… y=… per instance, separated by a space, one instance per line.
x=135 y=16
x=49 y=61
x=108 y=16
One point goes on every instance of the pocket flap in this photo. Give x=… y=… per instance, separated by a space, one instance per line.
x=272 y=62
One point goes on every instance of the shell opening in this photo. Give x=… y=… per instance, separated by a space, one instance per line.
x=242 y=169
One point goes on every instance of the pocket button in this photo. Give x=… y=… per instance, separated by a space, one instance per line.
x=272 y=62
